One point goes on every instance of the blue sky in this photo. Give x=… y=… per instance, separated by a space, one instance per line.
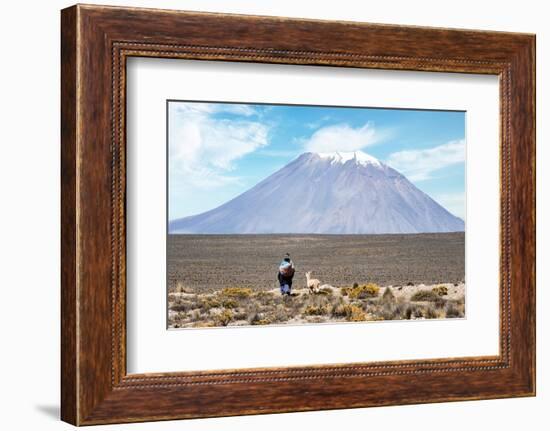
x=219 y=150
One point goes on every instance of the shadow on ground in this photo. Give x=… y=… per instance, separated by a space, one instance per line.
x=52 y=411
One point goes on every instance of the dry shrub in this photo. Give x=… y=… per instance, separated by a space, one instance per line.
x=316 y=300
x=392 y=311
x=195 y=315
x=240 y=315
x=340 y=310
x=208 y=302
x=260 y=321
x=335 y=300
x=254 y=314
x=223 y=318
x=440 y=290
x=237 y=292
x=182 y=306
x=316 y=319
x=388 y=295
x=440 y=303
x=281 y=314
x=317 y=310
x=356 y=314
x=264 y=297
x=351 y=312
x=294 y=304
x=229 y=303
x=430 y=313
x=180 y=288
x=425 y=295
x=326 y=290
x=369 y=290
x=413 y=311
x=453 y=310
x=344 y=291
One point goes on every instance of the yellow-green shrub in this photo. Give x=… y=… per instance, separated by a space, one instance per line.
x=440 y=290
x=224 y=318
x=352 y=312
x=316 y=310
x=237 y=292
x=208 y=302
x=229 y=303
x=369 y=290
x=425 y=295
x=356 y=314
x=261 y=322
x=341 y=310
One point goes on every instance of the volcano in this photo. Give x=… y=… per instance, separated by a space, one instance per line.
x=326 y=193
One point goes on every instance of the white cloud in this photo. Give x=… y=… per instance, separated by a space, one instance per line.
x=455 y=203
x=316 y=124
x=237 y=109
x=342 y=137
x=278 y=153
x=203 y=148
x=418 y=165
x=199 y=108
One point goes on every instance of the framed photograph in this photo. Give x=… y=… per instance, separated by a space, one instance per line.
x=238 y=238
x=331 y=214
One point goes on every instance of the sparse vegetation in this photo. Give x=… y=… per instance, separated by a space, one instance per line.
x=440 y=290
x=237 y=292
x=388 y=295
x=241 y=306
x=182 y=306
x=454 y=309
x=425 y=295
x=326 y=290
x=356 y=314
x=229 y=303
x=206 y=303
x=315 y=310
x=180 y=288
x=370 y=290
x=259 y=319
x=341 y=310
x=209 y=263
x=430 y=312
x=223 y=318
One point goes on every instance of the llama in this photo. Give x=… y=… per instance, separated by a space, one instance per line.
x=312 y=283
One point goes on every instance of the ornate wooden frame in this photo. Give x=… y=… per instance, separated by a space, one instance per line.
x=95 y=42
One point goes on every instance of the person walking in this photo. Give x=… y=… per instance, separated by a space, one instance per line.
x=286 y=274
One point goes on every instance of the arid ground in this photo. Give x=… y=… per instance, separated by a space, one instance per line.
x=228 y=280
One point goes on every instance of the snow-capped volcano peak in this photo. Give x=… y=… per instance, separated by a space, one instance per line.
x=359 y=157
x=326 y=193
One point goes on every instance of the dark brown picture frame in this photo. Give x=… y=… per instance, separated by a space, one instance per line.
x=95 y=43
